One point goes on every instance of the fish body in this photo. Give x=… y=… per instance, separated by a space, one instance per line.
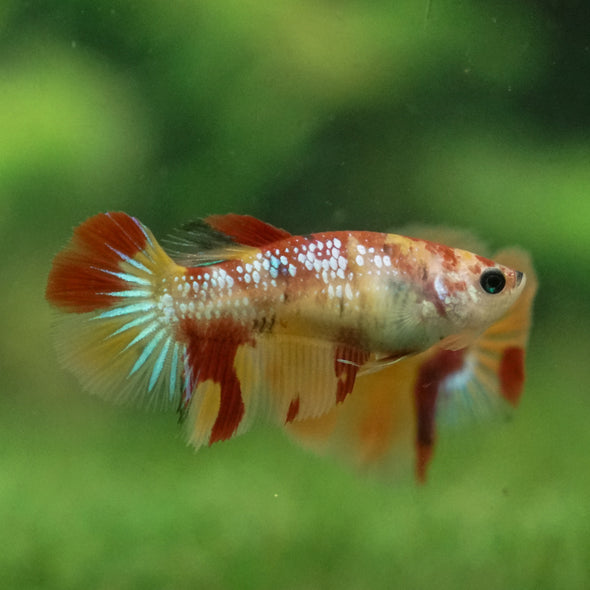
x=250 y=322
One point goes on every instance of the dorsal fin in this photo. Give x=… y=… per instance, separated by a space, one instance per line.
x=220 y=237
x=246 y=230
x=197 y=243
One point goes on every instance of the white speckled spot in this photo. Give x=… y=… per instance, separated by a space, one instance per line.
x=339 y=291
x=195 y=287
x=386 y=261
x=274 y=273
x=330 y=290
x=320 y=245
x=371 y=250
x=247 y=278
x=360 y=260
x=340 y=273
x=312 y=247
x=348 y=291
x=248 y=268
x=308 y=265
x=377 y=260
x=265 y=264
x=337 y=243
x=256 y=276
x=342 y=262
x=329 y=244
x=292 y=270
x=325 y=277
x=333 y=263
x=284 y=260
x=239 y=269
x=257 y=265
x=317 y=265
x=335 y=253
x=361 y=249
x=229 y=281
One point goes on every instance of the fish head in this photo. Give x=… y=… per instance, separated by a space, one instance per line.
x=468 y=293
x=437 y=293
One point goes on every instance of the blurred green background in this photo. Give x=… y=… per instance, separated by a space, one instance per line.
x=312 y=115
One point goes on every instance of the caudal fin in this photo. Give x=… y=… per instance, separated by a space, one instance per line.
x=113 y=331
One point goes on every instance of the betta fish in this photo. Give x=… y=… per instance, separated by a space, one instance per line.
x=351 y=340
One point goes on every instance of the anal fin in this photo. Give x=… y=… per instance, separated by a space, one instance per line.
x=239 y=381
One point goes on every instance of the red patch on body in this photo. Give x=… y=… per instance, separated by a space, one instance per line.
x=246 y=229
x=445 y=253
x=511 y=373
x=211 y=350
x=77 y=280
x=293 y=410
x=430 y=375
x=346 y=371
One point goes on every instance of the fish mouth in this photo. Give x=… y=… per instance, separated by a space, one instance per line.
x=519 y=277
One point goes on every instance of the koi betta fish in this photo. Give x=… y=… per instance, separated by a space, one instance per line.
x=351 y=340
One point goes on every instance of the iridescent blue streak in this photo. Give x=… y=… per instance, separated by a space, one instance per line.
x=131 y=261
x=136 y=322
x=173 y=371
x=147 y=351
x=126 y=310
x=159 y=364
x=128 y=278
x=134 y=293
x=145 y=332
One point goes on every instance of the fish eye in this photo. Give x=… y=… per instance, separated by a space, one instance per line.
x=492 y=280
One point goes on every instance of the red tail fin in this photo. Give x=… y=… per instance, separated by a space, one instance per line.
x=86 y=275
x=112 y=332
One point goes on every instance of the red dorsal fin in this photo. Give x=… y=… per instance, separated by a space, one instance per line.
x=247 y=230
